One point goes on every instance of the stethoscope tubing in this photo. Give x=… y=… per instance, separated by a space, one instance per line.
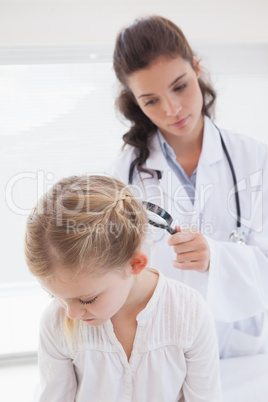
x=237 y=200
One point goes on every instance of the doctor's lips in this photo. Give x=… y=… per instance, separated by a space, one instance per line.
x=179 y=123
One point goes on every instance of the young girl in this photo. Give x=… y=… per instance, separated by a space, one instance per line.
x=210 y=180
x=116 y=329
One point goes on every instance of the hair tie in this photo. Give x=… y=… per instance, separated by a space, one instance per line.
x=123 y=198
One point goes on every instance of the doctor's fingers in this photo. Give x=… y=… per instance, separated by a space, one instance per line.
x=196 y=243
x=180 y=237
x=197 y=255
x=199 y=266
x=185 y=236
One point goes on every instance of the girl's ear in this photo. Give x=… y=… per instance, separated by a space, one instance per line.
x=138 y=263
x=197 y=67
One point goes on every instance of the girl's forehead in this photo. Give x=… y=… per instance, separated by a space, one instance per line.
x=64 y=284
x=64 y=275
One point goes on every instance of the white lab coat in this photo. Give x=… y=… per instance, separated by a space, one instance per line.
x=236 y=285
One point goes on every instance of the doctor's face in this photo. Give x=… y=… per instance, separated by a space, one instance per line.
x=168 y=93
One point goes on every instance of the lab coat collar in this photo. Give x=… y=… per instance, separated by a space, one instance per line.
x=212 y=151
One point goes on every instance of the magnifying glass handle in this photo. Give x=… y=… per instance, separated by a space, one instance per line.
x=171 y=230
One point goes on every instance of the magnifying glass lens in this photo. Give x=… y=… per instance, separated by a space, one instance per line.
x=158 y=217
x=158 y=220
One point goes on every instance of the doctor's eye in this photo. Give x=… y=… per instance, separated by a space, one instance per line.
x=151 y=102
x=181 y=87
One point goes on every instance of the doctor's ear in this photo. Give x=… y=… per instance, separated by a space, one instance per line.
x=138 y=263
x=197 y=67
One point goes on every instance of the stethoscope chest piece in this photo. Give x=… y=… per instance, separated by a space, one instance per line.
x=237 y=236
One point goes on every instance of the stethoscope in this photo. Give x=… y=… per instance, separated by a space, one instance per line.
x=161 y=218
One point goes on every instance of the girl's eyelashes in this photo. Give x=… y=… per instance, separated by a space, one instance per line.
x=81 y=301
x=88 y=301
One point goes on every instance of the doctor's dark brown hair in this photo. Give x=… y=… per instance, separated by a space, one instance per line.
x=137 y=47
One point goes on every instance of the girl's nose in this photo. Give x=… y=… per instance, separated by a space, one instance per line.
x=74 y=311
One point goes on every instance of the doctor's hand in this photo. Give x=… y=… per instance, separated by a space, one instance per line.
x=192 y=250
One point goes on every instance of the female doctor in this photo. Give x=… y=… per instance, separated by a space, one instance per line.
x=212 y=182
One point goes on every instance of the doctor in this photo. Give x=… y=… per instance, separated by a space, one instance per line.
x=212 y=182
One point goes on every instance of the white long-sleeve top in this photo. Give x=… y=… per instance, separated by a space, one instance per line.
x=236 y=285
x=174 y=356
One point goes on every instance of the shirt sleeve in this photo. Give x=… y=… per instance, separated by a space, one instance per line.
x=202 y=382
x=57 y=376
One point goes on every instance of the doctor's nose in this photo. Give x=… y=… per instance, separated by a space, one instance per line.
x=172 y=107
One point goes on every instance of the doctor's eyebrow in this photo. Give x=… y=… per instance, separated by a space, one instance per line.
x=173 y=83
x=177 y=79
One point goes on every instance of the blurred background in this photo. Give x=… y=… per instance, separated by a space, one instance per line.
x=57 y=92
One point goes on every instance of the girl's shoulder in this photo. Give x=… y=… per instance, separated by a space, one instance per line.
x=186 y=309
x=183 y=296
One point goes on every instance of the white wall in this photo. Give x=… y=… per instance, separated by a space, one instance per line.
x=87 y=22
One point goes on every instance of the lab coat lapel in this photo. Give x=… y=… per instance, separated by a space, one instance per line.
x=207 y=176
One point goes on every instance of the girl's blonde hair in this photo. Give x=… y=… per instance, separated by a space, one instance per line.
x=88 y=223
x=91 y=223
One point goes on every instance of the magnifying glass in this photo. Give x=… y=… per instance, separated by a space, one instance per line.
x=159 y=217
